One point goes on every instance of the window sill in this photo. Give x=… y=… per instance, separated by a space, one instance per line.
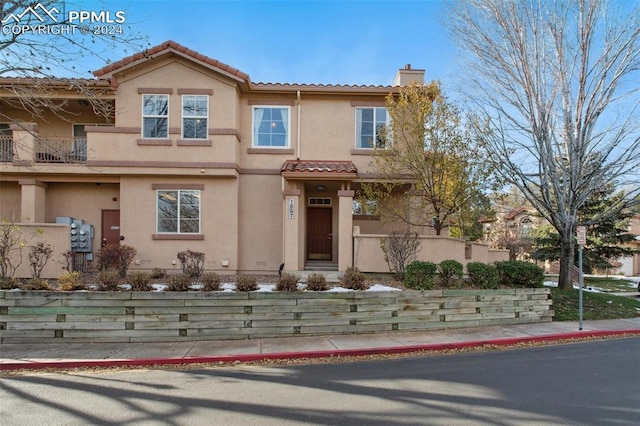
x=155 y=142
x=370 y=151
x=362 y=151
x=365 y=217
x=274 y=151
x=177 y=237
x=194 y=142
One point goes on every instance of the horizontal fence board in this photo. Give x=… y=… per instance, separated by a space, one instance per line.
x=177 y=316
x=302 y=309
x=69 y=326
x=28 y=318
x=31 y=302
x=151 y=310
x=91 y=310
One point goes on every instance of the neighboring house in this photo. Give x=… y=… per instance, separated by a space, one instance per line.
x=197 y=156
x=510 y=229
x=631 y=265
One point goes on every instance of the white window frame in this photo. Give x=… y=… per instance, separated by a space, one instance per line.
x=196 y=117
x=178 y=230
x=358 y=138
x=254 y=130
x=155 y=116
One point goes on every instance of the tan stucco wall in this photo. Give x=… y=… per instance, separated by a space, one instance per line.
x=82 y=201
x=53 y=234
x=9 y=200
x=175 y=74
x=260 y=232
x=369 y=257
x=218 y=223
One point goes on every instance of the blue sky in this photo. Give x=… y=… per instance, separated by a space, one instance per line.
x=301 y=41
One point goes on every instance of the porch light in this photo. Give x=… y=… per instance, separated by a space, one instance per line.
x=321 y=187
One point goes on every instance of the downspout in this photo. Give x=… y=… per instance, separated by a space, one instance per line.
x=299 y=107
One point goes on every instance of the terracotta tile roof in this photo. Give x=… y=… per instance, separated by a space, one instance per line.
x=304 y=86
x=515 y=212
x=169 y=45
x=303 y=166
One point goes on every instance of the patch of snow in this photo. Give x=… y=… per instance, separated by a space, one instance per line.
x=380 y=287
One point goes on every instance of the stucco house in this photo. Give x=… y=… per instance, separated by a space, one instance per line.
x=194 y=155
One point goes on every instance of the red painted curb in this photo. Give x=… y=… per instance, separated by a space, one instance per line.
x=106 y=363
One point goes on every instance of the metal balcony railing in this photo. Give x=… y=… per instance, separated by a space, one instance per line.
x=61 y=150
x=6 y=148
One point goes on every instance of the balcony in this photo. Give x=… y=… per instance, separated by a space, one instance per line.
x=61 y=150
x=6 y=148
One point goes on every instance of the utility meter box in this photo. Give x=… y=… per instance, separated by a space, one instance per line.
x=81 y=234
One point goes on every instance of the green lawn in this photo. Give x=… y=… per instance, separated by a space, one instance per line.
x=605 y=284
x=595 y=306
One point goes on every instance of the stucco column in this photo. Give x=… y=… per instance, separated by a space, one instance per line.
x=345 y=229
x=32 y=200
x=291 y=230
x=24 y=142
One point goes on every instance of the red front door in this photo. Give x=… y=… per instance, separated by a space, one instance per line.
x=110 y=227
x=319 y=233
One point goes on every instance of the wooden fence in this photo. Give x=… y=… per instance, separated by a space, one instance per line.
x=55 y=317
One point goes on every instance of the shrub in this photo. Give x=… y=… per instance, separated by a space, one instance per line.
x=398 y=248
x=516 y=273
x=420 y=275
x=192 y=263
x=179 y=282
x=354 y=279
x=39 y=255
x=211 y=281
x=71 y=261
x=7 y=283
x=287 y=282
x=246 y=283
x=116 y=256
x=108 y=280
x=157 y=273
x=139 y=281
x=70 y=281
x=36 y=284
x=317 y=282
x=450 y=271
x=482 y=275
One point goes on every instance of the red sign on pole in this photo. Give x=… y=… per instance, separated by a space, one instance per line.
x=581 y=235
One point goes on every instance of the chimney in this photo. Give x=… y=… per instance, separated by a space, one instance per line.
x=407 y=74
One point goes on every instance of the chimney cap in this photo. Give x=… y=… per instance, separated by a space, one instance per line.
x=407 y=67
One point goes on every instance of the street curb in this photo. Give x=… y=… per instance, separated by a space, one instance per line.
x=140 y=362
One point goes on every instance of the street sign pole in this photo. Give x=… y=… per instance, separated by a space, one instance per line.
x=580 y=286
x=581 y=234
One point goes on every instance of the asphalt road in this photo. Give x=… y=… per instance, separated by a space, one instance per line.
x=589 y=383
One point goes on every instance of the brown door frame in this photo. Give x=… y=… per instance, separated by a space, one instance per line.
x=329 y=240
x=110 y=237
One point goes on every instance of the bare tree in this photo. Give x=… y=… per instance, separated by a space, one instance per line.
x=559 y=83
x=399 y=248
x=44 y=47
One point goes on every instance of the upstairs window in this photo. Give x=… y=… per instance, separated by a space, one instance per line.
x=155 y=116
x=270 y=127
x=370 y=123
x=178 y=211
x=195 y=114
x=364 y=207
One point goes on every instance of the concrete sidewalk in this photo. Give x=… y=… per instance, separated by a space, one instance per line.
x=72 y=355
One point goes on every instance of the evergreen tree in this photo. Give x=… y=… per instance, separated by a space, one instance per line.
x=606 y=238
